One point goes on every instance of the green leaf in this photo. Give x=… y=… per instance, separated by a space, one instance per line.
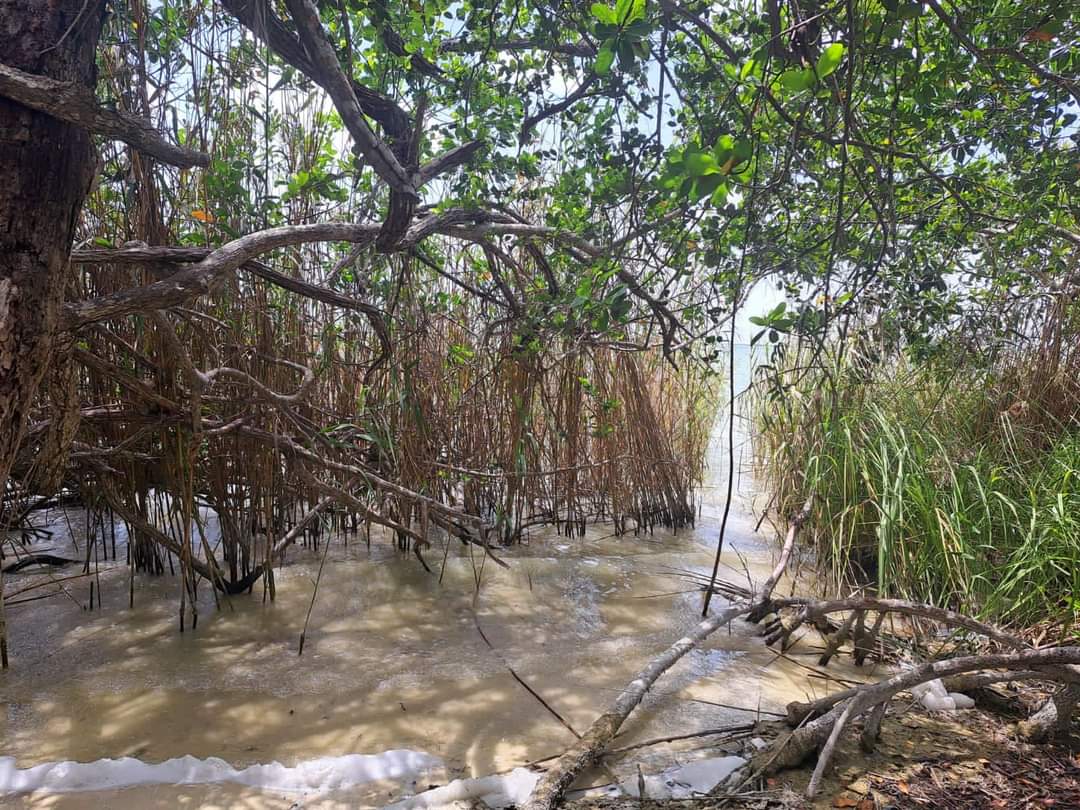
x=622 y=11
x=700 y=163
x=621 y=305
x=603 y=13
x=743 y=151
x=830 y=59
x=723 y=147
x=719 y=195
x=796 y=80
x=604 y=58
x=751 y=68
x=708 y=185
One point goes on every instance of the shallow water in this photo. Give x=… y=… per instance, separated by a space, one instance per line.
x=392 y=660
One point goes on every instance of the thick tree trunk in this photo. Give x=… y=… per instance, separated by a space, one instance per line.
x=45 y=171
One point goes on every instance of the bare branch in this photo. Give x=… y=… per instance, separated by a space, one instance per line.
x=330 y=75
x=816 y=608
x=261 y=20
x=201 y=278
x=448 y=160
x=531 y=122
x=674 y=8
x=464 y=45
x=73 y=103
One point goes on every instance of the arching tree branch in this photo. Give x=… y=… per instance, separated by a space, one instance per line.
x=73 y=103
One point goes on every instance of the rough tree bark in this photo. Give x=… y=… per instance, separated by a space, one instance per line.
x=46 y=167
x=1054 y=717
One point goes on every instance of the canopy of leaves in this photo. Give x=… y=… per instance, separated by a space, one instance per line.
x=909 y=163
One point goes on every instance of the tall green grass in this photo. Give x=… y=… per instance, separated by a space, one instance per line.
x=929 y=486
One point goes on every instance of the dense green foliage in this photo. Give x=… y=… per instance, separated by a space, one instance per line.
x=935 y=482
x=883 y=160
x=619 y=177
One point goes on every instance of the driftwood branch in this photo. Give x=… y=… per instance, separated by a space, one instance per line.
x=73 y=103
x=588 y=749
x=811 y=608
x=821 y=722
x=869 y=696
x=290 y=537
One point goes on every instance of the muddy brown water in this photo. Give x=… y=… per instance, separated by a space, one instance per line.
x=393 y=660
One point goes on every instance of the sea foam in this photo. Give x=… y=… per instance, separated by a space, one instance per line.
x=324 y=773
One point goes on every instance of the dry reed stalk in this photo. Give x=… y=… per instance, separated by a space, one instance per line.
x=429 y=396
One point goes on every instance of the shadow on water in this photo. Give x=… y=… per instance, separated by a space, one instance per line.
x=393 y=659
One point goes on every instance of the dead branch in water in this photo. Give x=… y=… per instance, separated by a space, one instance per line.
x=548 y=791
x=820 y=723
x=821 y=735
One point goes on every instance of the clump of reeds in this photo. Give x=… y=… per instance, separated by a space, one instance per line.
x=956 y=483
x=446 y=394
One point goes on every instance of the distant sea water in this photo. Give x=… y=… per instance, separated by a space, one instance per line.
x=714 y=487
x=747 y=358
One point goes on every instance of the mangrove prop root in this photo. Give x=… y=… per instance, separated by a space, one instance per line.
x=872 y=727
x=37 y=559
x=839 y=638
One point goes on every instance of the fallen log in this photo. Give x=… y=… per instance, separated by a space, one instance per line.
x=821 y=734
x=1050 y=719
x=587 y=751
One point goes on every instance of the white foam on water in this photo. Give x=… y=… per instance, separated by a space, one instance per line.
x=324 y=773
x=935 y=698
x=513 y=788
x=496 y=791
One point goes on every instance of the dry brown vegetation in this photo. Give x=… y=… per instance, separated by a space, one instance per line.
x=271 y=407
